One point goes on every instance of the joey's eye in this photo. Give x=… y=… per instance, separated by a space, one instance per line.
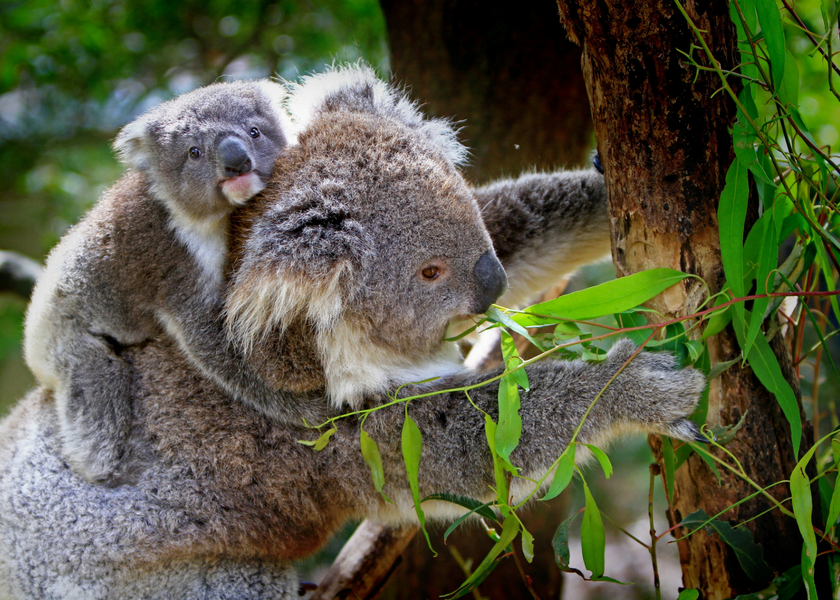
x=431 y=272
x=195 y=153
x=254 y=133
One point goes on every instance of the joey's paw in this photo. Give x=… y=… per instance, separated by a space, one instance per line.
x=654 y=393
x=95 y=460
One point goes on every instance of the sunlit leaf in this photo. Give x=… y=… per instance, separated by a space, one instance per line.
x=602 y=458
x=509 y=428
x=563 y=474
x=614 y=296
x=412 y=449
x=774 y=37
x=592 y=538
x=321 y=442
x=527 y=545
x=370 y=452
x=512 y=360
x=800 y=491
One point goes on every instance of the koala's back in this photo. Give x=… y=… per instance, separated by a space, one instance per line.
x=105 y=275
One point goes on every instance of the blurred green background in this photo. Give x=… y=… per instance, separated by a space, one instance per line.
x=72 y=72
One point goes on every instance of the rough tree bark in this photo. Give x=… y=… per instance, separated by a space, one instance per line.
x=514 y=80
x=666 y=146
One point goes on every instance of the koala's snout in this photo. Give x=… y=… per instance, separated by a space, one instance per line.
x=234 y=157
x=491 y=280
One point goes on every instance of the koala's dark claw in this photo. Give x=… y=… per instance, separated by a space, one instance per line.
x=596 y=161
x=306 y=586
x=703 y=439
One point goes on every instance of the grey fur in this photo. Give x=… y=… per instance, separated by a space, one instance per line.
x=150 y=257
x=352 y=215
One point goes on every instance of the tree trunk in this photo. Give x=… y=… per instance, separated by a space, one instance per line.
x=514 y=80
x=666 y=146
x=508 y=74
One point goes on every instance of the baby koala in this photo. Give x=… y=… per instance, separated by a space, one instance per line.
x=150 y=257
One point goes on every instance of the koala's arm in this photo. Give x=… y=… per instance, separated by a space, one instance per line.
x=650 y=395
x=545 y=226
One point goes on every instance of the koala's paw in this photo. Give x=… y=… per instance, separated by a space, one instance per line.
x=654 y=393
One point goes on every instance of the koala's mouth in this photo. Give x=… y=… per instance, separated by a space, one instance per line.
x=242 y=188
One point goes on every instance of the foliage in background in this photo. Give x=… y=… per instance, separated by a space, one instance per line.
x=73 y=72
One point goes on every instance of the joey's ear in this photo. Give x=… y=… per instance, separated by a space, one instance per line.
x=131 y=144
x=356 y=88
x=276 y=96
x=304 y=255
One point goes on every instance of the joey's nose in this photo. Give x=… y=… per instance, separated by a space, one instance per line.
x=491 y=280
x=234 y=157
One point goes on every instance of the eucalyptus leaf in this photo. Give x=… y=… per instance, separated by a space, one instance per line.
x=560 y=544
x=412 y=449
x=562 y=474
x=614 y=296
x=510 y=528
x=370 y=452
x=509 y=428
x=592 y=538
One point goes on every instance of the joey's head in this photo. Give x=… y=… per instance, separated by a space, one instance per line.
x=369 y=232
x=211 y=149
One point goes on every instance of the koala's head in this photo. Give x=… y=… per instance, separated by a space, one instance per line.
x=211 y=149
x=369 y=232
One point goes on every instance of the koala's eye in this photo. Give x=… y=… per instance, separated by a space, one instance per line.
x=431 y=272
x=254 y=133
x=195 y=153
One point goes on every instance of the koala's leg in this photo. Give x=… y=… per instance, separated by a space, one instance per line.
x=545 y=226
x=651 y=395
x=94 y=405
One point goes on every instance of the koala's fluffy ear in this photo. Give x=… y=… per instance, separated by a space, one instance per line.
x=356 y=88
x=304 y=256
x=131 y=144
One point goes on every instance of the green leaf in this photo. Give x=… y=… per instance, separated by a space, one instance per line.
x=633 y=319
x=474 y=505
x=592 y=538
x=614 y=296
x=370 y=452
x=688 y=595
x=748 y=67
x=766 y=367
x=789 y=90
x=749 y=554
x=482 y=510
x=800 y=491
x=321 y=442
x=732 y=213
x=695 y=349
x=512 y=360
x=498 y=467
x=509 y=530
x=834 y=507
x=560 y=544
x=412 y=449
x=764 y=262
x=563 y=474
x=774 y=37
x=602 y=458
x=527 y=545
x=509 y=428
x=669 y=461
x=494 y=315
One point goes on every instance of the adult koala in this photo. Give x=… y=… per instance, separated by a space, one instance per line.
x=344 y=276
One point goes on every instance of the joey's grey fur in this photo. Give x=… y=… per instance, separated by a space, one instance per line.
x=150 y=256
x=345 y=273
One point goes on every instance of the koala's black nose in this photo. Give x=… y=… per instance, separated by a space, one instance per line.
x=491 y=279
x=234 y=158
